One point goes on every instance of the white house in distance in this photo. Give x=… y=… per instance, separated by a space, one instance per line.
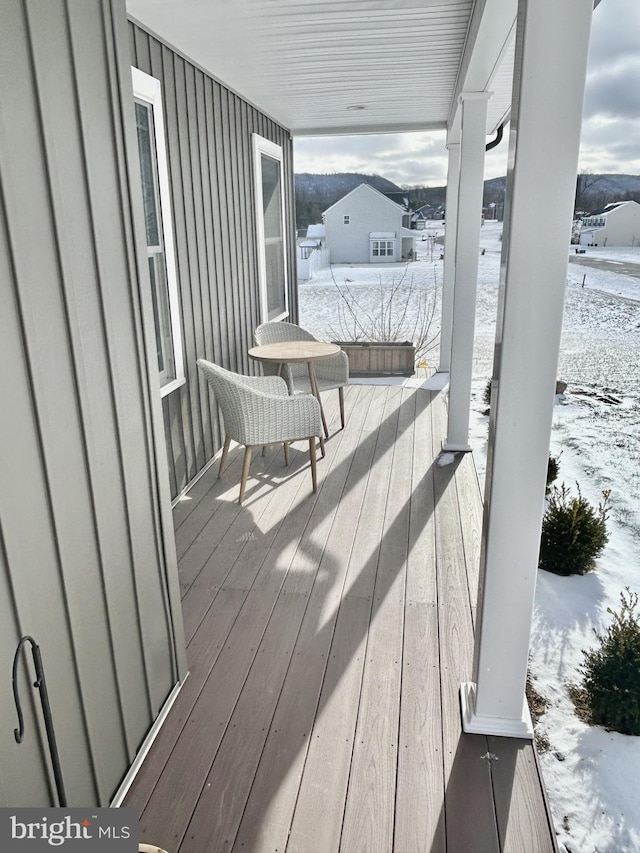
x=364 y=227
x=617 y=224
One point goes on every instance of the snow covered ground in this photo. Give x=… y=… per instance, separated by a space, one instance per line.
x=591 y=775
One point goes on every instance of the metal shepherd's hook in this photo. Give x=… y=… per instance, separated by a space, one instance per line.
x=41 y=684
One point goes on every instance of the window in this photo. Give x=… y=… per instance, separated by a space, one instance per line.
x=158 y=229
x=383 y=248
x=346 y=219
x=272 y=267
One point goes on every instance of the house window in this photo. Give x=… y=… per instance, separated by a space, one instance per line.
x=272 y=267
x=156 y=203
x=346 y=219
x=383 y=248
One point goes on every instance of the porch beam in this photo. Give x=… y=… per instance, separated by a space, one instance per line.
x=491 y=31
x=550 y=72
x=467 y=241
x=451 y=223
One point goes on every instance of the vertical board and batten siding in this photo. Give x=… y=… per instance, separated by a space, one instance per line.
x=87 y=558
x=211 y=174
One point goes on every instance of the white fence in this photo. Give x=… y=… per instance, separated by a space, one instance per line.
x=319 y=259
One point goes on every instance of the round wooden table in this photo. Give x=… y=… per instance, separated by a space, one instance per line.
x=297 y=352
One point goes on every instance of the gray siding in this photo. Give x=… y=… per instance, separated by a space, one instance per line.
x=87 y=560
x=209 y=138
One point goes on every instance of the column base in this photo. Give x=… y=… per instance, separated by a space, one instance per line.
x=450 y=447
x=474 y=724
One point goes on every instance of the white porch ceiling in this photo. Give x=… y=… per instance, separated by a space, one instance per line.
x=312 y=65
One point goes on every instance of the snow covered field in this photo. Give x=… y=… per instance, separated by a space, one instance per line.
x=591 y=775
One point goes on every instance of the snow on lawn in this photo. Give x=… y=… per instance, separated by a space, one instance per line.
x=613 y=253
x=591 y=775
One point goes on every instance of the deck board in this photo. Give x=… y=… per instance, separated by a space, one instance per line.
x=369 y=814
x=328 y=635
x=469 y=814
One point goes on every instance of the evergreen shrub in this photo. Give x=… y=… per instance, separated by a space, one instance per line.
x=486 y=394
x=553 y=468
x=574 y=533
x=612 y=671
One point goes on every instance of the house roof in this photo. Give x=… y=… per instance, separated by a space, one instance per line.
x=613 y=205
x=349 y=66
x=398 y=207
x=316 y=231
x=428 y=208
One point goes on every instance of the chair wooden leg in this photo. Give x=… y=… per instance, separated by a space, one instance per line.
x=322 y=446
x=264 y=449
x=312 y=458
x=341 y=398
x=245 y=471
x=223 y=458
x=286 y=453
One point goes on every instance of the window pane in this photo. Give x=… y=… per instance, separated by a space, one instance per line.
x=153 y=229
x=161 y=317
x=147 y=152
x=158 y=230
x=273 y=236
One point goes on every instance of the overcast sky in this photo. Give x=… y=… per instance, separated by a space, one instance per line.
x=610 y=130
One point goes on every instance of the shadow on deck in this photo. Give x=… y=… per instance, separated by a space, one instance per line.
x=327 y=638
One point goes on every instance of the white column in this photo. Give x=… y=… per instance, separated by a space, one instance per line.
x=451 y=227
x=474 y=131
x=551 y=55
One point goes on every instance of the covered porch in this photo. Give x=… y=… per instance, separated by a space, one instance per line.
x=327 y=637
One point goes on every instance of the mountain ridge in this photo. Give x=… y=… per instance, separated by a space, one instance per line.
x=316 y=192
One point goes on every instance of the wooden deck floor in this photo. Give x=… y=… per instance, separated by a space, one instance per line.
x=327 y=637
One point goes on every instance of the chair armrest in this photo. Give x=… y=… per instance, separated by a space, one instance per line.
x=266 y=384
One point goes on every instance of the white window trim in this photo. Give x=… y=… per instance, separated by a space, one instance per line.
x=147 y=88
x=387 y=241
x=270 y=149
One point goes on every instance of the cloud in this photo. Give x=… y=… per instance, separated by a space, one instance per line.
x=411 y=159
x=610 y=145
x=615 y=32
x=614 y=90
x=405 y=158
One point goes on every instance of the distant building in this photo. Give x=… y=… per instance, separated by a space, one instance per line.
x=311 y=253
x=617 y=224
x=492 y=212
x=365 y=226
x=317 y=232
x=426 y=213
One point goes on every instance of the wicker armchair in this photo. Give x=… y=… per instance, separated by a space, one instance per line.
x=330 y=372
x=257 y=410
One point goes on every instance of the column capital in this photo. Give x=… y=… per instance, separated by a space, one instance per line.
x=474 y=96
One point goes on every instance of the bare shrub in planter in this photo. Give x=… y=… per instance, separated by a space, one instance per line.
x=401 y=312
x=611 y=686
x=574 y=533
